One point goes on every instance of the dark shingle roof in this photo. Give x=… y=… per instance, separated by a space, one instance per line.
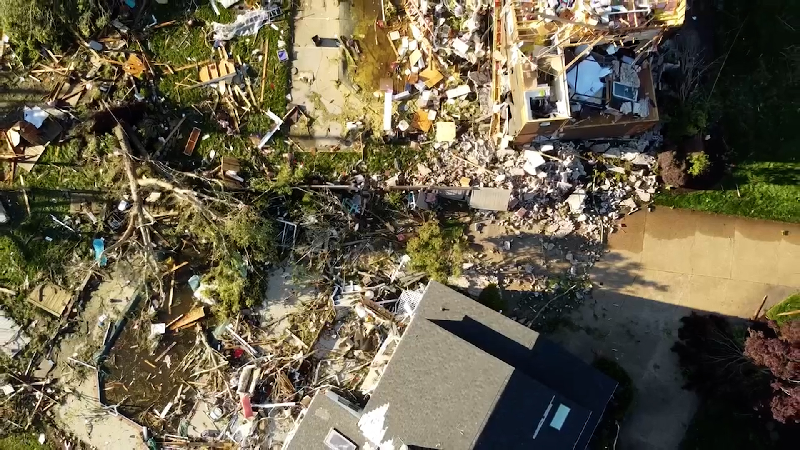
x=324 y=413
x=464 y=376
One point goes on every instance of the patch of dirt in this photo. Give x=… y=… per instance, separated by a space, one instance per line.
x=673 y=168
x=141 y=389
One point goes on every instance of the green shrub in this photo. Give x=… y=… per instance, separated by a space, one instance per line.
x=240 y=247
x=791 y=303
x=698 y=163
x=686 y=119
x=492 y=297
x=436 y=251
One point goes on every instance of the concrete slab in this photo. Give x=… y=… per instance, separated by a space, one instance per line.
x=661 y=266
x=712 y=251
x=79 y=412
x=756 y=251
x=284 y=295
x=665 y=243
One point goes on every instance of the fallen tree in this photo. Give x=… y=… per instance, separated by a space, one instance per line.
x=236 y=237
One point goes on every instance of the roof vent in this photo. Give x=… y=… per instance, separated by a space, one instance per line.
x=336 y=441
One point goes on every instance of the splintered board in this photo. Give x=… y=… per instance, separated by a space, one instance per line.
x=50 y=298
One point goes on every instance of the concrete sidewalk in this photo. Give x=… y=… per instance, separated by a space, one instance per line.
x=325 y=97
x=660 y=267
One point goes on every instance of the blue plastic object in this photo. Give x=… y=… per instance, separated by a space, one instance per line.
x=99 y=247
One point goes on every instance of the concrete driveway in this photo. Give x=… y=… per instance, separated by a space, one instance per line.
x=661 y=266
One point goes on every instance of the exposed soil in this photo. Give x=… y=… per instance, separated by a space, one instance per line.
x=672 y=165
x=141 y=390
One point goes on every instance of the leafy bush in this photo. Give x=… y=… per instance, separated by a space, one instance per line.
x=436 y=251
x=686 y=119
x=698 y=163
x=244 y=242
x=779 y=351
x=792 y=303
x=52 y=23
x=492 y=297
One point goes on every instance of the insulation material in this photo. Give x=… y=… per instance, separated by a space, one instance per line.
x=12 y=339
x=585 y=79
x=246 y=24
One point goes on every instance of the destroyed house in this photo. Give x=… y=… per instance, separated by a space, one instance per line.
x=577 y=69
x=465 y=377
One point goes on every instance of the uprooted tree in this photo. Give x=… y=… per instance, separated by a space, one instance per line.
x=779 y=351
x=236 y=237
x=713 y=364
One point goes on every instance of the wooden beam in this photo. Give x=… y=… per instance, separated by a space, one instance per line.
x=579 y=56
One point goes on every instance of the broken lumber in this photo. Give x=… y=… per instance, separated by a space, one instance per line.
x=189 y=318
x=164 y=353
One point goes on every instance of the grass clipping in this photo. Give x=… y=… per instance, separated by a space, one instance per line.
x=437 y=250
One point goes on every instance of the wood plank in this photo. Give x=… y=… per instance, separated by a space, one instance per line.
x=194 y=315
x=192 y=142
x=50 y=298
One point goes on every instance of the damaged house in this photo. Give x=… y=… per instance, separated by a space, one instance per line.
x=577 y=69
x=464 y=376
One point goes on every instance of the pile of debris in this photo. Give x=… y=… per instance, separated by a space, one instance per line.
x=596 y=181
x=441 y=73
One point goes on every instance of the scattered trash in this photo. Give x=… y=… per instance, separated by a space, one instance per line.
x=99 y=246
x=246 y=24
x=35 y=116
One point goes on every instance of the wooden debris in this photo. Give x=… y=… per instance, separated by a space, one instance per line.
x=789 y=313
x=133 y=66
x=32 y=155
x=7 y=291
x=191 y=142
x=175 y=320
x=189 y=318
x=164 y=353
x=50 y=298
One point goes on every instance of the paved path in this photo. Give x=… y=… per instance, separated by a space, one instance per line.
x=661 y=266
x=325 y=97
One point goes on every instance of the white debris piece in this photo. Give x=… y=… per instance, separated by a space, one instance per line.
x=576 y=200
x=35 y=116
x=246 y=24
x=459 y=91
x=533 y=159
x=12 y=338
x=373 y=424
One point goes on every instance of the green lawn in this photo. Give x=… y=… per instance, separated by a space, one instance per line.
x=755 y=99
x=759 y=194
x=23 y=441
